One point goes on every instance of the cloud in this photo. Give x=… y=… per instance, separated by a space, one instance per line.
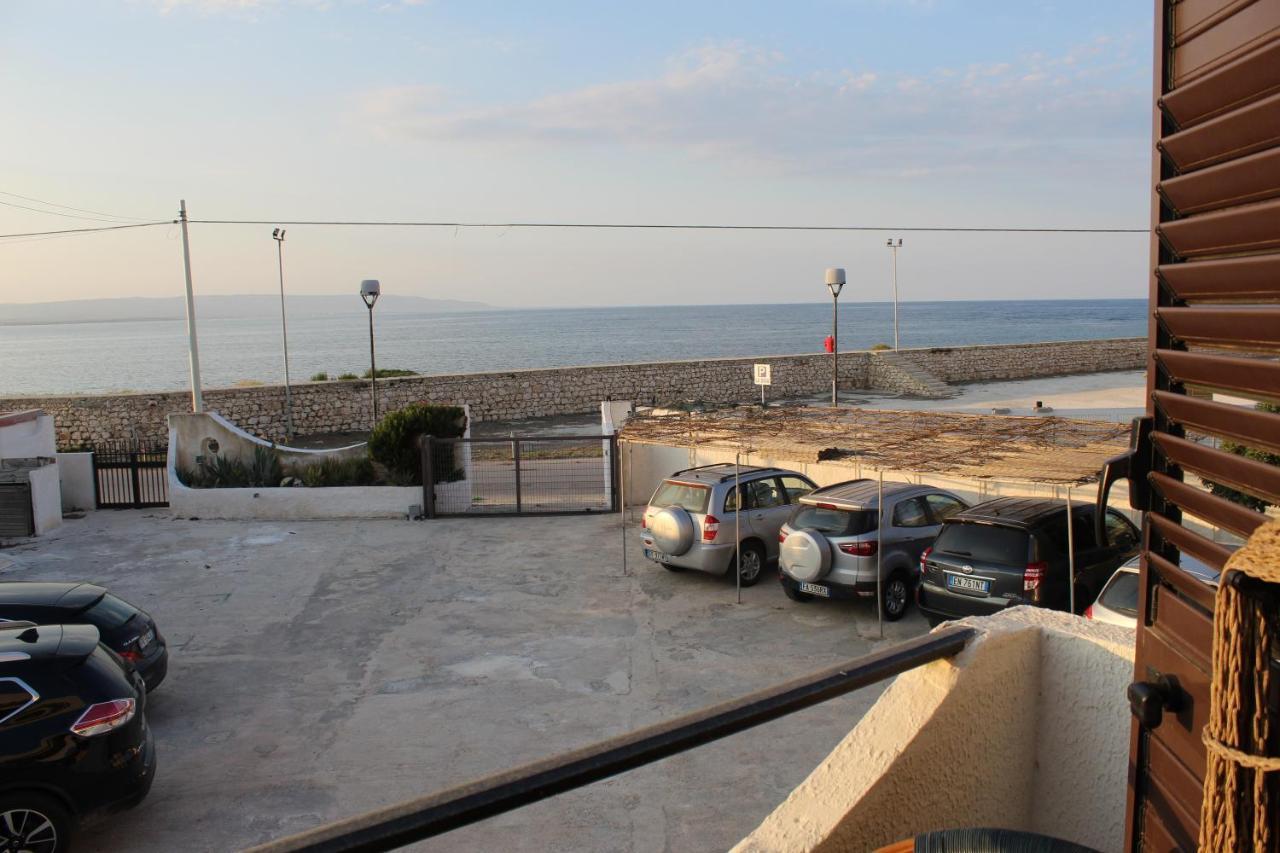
x=737 y=102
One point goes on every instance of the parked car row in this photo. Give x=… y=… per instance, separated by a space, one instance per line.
x=76 y=664
x=925 y=544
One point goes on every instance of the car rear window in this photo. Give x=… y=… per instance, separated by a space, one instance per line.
x=985 y=542
x=688 y=496
x=1121 y=595
x=110 y=612
x=833 y=522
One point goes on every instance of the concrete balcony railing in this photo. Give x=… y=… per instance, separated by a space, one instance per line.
x=1026 y=729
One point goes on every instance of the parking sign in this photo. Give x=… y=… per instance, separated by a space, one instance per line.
x=763 y=376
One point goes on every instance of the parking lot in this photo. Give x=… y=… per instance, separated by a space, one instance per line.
x=319 y=669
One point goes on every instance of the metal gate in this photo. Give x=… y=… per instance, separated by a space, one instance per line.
x=129 y=475
x=1214 y=327
x=16 y=517
x=525 y=475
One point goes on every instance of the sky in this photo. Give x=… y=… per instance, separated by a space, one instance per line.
x=844 y=112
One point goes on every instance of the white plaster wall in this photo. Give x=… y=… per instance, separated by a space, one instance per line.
x=75 y=473
x=188 y=432
x=28 y=439
x=295 y=504
x=1026 y=729
x=46 y=498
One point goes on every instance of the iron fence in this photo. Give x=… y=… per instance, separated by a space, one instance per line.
x=130 y=475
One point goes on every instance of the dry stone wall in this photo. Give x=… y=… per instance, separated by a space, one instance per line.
x=322 y=407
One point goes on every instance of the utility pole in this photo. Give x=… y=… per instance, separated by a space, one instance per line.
x=197 y=396
x=278 y=235
x=894 y=247
x=835 y=283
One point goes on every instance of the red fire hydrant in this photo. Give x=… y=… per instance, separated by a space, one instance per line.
x=829 y=344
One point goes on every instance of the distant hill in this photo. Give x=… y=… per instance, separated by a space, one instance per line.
x=219 y=308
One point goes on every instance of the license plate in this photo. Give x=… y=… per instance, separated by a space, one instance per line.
x=981 y=586
x=816 y=589
x=147 y=639
x=656 y=556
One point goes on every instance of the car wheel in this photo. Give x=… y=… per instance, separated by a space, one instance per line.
x=897 y=595
x=671 y=568
x=752 y=564
x=796 y=595
x=34 y=822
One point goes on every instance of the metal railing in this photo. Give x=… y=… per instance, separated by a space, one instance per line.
x=453 y=808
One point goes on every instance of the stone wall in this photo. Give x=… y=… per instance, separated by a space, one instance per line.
x=322 y=407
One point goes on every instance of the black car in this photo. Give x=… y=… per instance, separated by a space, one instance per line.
x=129 y=632
x=74 y=741
x=1011 y=551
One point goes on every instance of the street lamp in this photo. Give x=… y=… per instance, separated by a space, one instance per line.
x=277 y=234
x=835 y=283
x=894 y=247
x=370 y=290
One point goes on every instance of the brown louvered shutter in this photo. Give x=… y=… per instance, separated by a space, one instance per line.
x=1215 y=329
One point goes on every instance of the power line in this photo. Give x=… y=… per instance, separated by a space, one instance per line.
x=88 y=230
x=69 y=207
x=56 y=212
x=670 y=227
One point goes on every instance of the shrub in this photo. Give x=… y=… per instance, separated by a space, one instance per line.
x=394 y=441
x=1253 y=503
x=335 y=471
x=347 y=377
x=223 y=472
x=389 y=372
x=880 y=347
x=320 y=377
x=265 y=468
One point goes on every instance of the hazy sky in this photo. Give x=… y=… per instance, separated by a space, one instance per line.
x=876 y=112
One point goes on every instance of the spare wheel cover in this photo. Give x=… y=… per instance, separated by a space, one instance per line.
x=805 y=555
x=672 y=530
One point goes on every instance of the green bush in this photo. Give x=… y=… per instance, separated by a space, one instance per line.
x=338 y=472
x=880 y=347
x=394 y=441
x=1253 y=503
x=346 y=377
x=223 y=472
x=320 y=377
x=265 y=468
x=389 y=372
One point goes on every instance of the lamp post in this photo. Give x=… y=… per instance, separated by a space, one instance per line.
x=370 y=290
x=835 y=283
x=277 y=234
x=894 y=247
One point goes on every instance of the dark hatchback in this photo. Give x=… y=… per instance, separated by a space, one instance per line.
x=126 y=630
x=74 y=742
x=1012 y=551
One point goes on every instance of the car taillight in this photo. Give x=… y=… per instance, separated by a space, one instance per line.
x=924 y=559
x=827 y=506
x=1088 y=612
x=644 y=522
x=103 y=717
x=1031 y=577
x=131 y=656
x=860 y=549
x=710 y=527
x=782 y=536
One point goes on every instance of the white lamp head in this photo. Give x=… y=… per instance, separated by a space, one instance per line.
x=835 y=280
x=370 y=290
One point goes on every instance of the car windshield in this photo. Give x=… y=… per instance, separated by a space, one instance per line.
x=110 y=612
x=984 y=542
x=833 y=522
x=1121 y=595
x=687 y=496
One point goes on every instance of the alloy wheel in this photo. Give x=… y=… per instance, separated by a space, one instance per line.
x=751 y=564
x=27 y=831
x=895 y=597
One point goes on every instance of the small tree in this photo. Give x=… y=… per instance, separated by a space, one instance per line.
x=394 y=441
x=1254 y=503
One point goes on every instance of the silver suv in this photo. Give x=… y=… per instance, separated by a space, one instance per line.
x=830 y=542
x=689 y=522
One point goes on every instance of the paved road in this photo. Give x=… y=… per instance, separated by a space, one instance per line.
x=321 y=669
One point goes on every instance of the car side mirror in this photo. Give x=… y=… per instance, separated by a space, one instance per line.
x=1133 y=465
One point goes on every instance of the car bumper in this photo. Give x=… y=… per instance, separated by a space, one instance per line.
x=713 y=558
x=934 y=600
x=130 y=784
x=838 y=591
x=155 y=668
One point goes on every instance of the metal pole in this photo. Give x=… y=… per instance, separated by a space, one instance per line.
x=284 y=333
x=197 y=396
x=895 y=294
x=835 y=348
x=880 y=552
x=622 y=498
x=373 y=371
x=1071 y=553
x=737 y=524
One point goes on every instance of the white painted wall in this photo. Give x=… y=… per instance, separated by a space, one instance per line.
x=27 y=438
x=75 y=474
x=1027 y=729
x=46 y=498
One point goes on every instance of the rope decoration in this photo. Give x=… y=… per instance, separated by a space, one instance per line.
x=1241 y=794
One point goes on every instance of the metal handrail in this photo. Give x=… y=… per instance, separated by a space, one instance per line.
x=424 y=817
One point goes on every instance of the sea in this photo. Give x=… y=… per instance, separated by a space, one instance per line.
x=151 y=355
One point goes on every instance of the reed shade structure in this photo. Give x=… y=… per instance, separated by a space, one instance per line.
x=1058 y=451
x=1241 y=806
